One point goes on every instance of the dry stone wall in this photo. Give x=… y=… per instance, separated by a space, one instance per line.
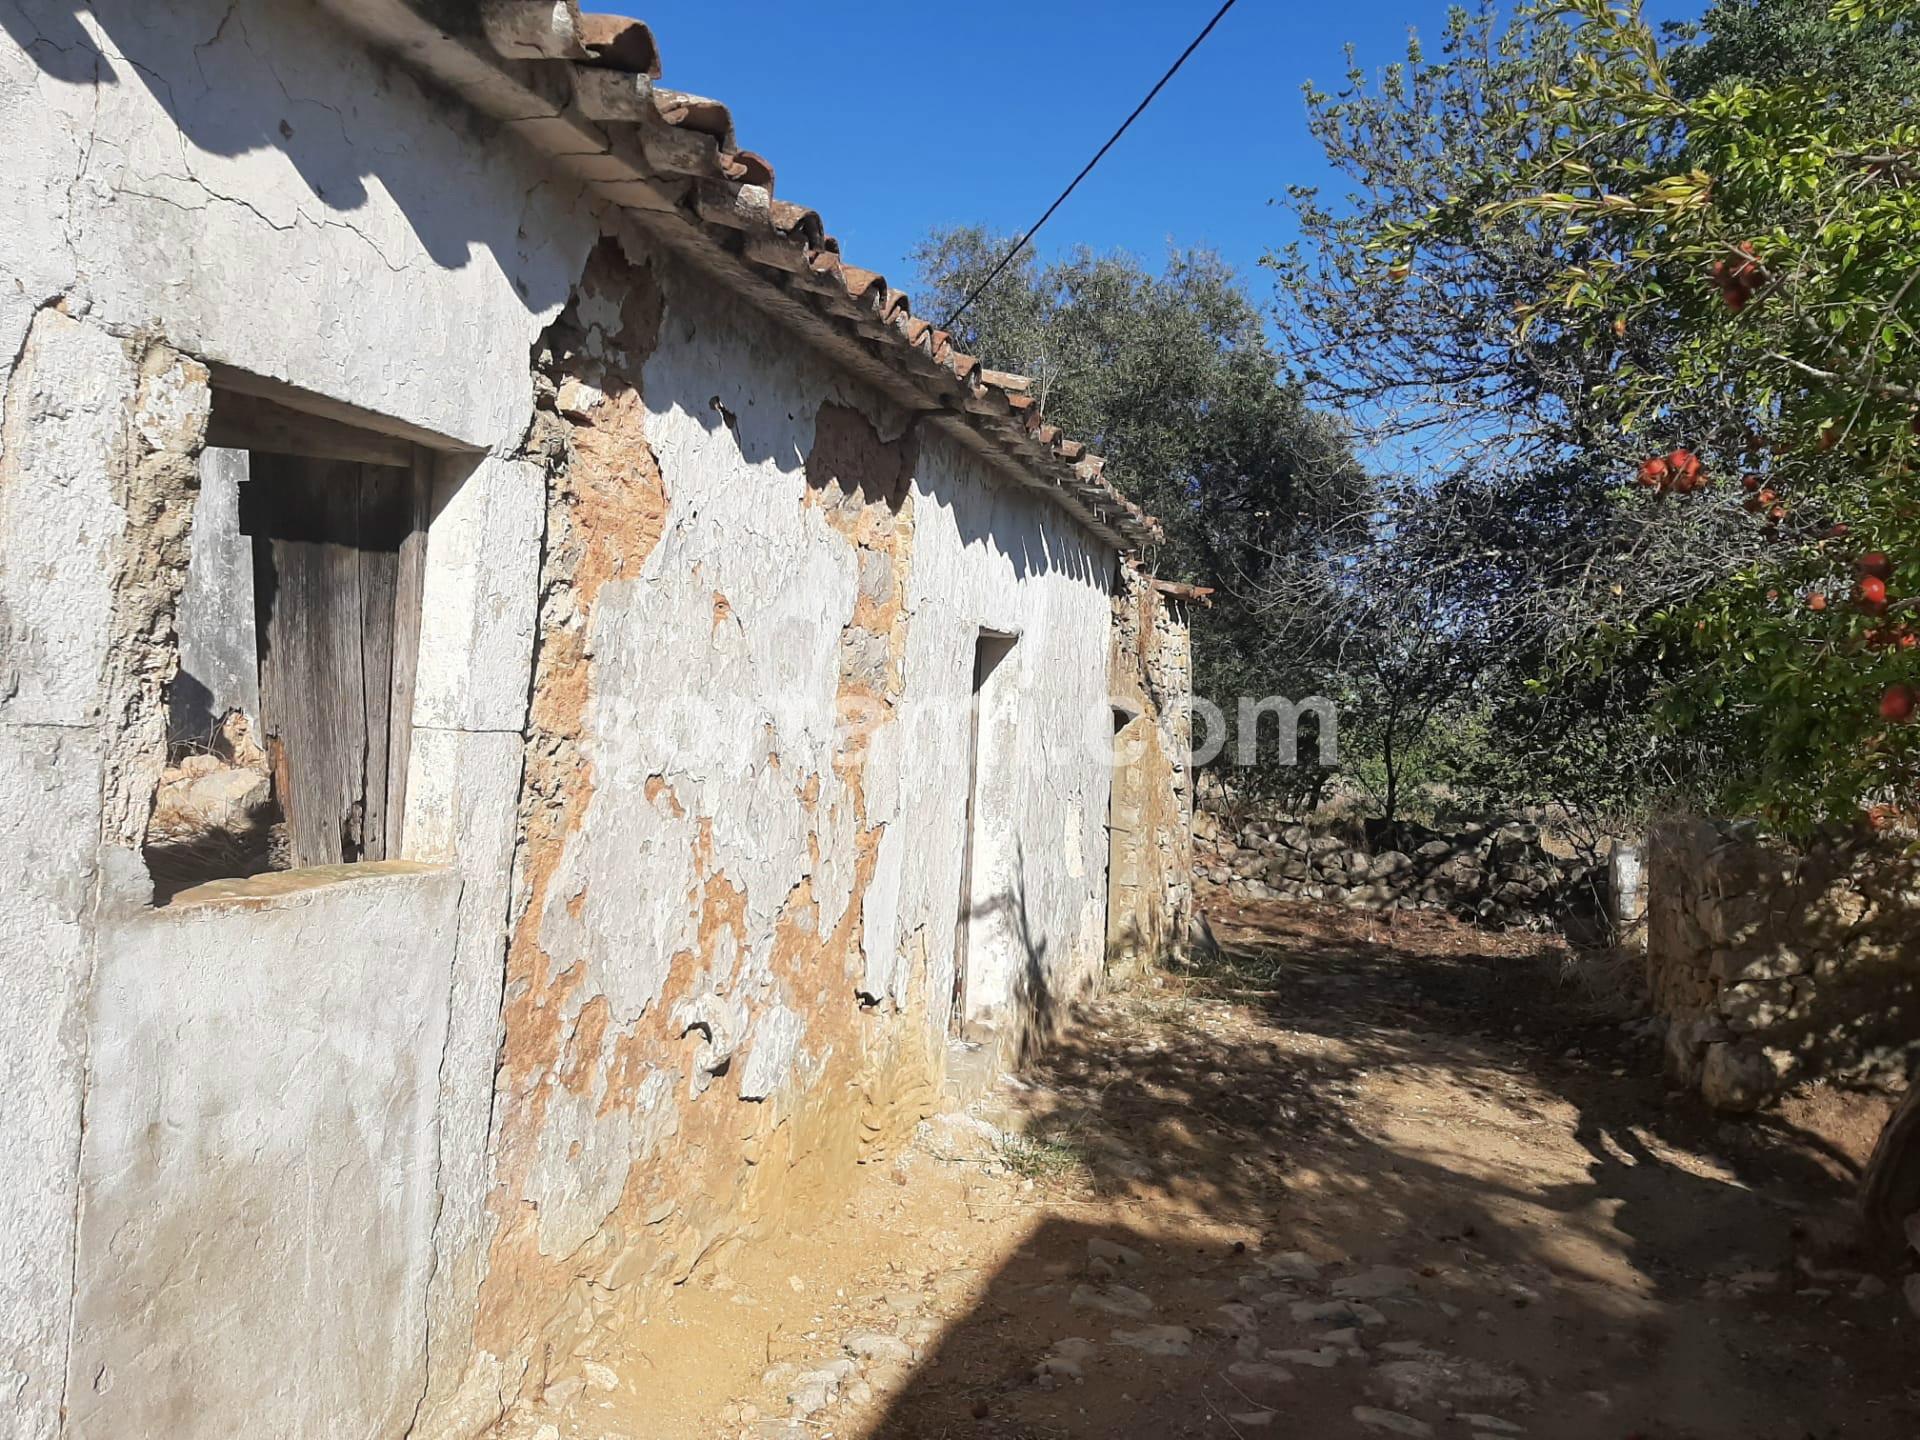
x=1771 y=964
x=1497 y=873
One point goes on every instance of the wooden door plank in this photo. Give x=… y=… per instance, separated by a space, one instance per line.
x=384 y=513
x=303 y=516
x=409 y=586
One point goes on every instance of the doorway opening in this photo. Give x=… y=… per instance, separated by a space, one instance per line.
x=989 y=650
x=1126 y=839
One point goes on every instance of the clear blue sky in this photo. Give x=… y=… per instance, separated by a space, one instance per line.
x=889 y=116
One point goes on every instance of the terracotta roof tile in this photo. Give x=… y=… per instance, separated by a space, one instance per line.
x=671 y=159
x=1201 y=593
x=696 y=112
x=756 y=169
x=859 y=281
x=797 y=221
x=618 y=43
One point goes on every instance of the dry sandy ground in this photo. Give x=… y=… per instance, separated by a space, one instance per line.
x=1363 y=1181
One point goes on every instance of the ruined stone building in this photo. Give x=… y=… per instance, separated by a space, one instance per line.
x=539 y=709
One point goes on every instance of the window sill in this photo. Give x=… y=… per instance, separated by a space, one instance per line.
x=259 y=892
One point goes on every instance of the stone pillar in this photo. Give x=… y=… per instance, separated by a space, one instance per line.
x=1150 y=823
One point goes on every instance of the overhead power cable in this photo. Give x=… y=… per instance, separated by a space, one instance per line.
x=1099 y=155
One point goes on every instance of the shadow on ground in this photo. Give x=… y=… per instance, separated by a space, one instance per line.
x=1453 y=1134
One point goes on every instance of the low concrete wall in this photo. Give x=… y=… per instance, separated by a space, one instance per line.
x=257 y=1178
x=1773 y=964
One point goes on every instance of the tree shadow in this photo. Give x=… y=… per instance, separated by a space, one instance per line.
x=238 y=80
x=1635 y=1278
x=1034 y=1011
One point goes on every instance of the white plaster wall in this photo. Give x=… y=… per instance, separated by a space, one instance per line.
x=481 y=594
x=48 y=829
x=258 y=1177
x=725 y=713
x=247 y=180
x=67 y=396
x=463 y=790
x=988 y=555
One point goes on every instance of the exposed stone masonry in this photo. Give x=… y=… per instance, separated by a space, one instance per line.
x=1773 y=965
x=1493 y=872
x=1150 y=878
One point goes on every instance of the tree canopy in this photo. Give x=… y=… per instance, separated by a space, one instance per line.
x=1171 y=377
x=1575 y=457
x=1764 y=231
x=1656 y=299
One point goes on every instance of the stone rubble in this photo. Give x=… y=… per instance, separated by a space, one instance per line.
x=1392 y=1422
x=1113 y=1299
x=1409 y=1375
x=1378 y=1283
x=1156 y=1339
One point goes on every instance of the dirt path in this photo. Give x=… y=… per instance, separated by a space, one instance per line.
x=1365 y=1183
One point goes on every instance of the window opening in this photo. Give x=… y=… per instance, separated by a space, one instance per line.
x=290 y=725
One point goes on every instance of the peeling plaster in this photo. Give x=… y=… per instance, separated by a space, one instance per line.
x=714 y=951
x=746 y=557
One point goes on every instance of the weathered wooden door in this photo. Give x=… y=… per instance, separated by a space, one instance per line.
x=338 y=551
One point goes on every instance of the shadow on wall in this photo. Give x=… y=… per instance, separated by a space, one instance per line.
x=232 y=92
x=1037 y=1012
x=982 y=502
x=1239 y=1151
x=849 y=453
